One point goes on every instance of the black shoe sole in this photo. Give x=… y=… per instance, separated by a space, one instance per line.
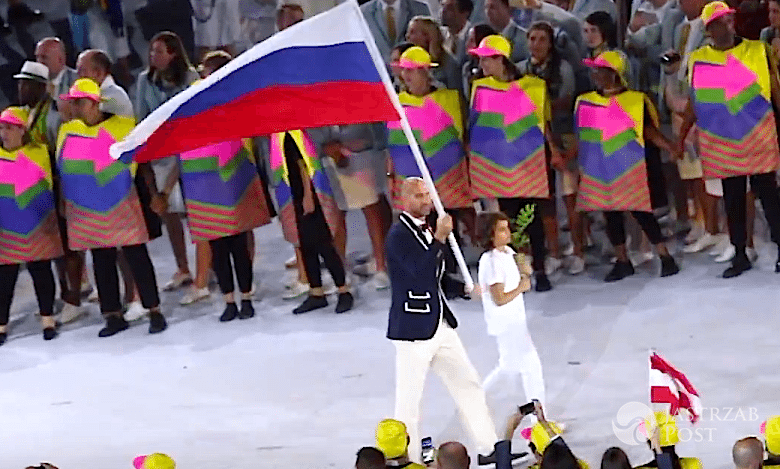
x=49 y=333
x=105 y=332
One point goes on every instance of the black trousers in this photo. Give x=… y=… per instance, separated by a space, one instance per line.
x=43 y=282
x=316 y=242
x=221 y=250
x=107 y=277
x=734 y=199
x=616 y=228
x=511 y=207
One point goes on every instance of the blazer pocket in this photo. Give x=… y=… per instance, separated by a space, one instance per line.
x=418 y=303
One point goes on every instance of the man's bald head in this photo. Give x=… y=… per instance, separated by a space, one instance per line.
x=748 y=453
x=416 y=197
x=50 y=51
x=94 y=64
x=452 y=455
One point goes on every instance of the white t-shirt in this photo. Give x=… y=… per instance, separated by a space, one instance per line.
x=500 y=267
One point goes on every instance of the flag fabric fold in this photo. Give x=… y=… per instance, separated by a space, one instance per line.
x=669 y=386
x=322 y=71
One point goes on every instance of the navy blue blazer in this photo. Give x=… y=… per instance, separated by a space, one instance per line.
x=418 y=284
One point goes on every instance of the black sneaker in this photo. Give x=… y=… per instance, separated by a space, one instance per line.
x=491 y=458
x=542 y=282
x=345 y=302
x=311 y=303
x=668 y=266
x=739 y=265
x=620 y=270
x=247 y=310
x=114 y=324
x=157 y=323
x=3 y=337
x=230 y=313
x=49 y=333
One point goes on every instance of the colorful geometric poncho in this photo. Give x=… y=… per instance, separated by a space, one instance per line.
x=732 y=101
x=437 y=122
x=507 y=124
x=28 y=220
x=316 y=174
x=611 y=152
x=222 y=190
x=101 y=202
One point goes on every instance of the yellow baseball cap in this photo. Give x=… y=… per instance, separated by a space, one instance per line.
x=771 y=430
x=715 y=10
x=492 y=46
x=415 y=57
x=668 y=433
x=391 y=438
x=610 y=59
x=154 y=461
x=83 y=88
x=15 y=115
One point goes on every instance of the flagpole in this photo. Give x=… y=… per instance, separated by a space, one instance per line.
x=418 y=157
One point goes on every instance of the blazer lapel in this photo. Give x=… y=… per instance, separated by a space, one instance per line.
x=417 y=232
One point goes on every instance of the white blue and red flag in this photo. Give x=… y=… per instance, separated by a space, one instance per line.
x=322 y=71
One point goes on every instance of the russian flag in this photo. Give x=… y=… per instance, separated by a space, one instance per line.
x=323 y=71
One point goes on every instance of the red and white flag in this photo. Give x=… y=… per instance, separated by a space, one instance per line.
x=669 y=386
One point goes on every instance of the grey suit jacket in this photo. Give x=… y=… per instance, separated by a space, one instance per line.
x=375 y=17
x=518 y=37
x=564 y=20
x=478 y=14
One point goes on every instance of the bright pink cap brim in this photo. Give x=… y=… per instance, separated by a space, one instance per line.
x=485 y=52
x=410 y=64
x=762 y=428
x=13 y=120
x=79 y=94
x=138 y=463
x=526 y=433
x=718 y=14
x=597 y=62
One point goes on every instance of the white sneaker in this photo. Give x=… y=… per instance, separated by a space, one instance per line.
x=135 y=311
x=381 y=281
x=177 y=281
x=569 y=250
x=86 y=287
x=707 y=240
x=71 y=313
x=295 y=290
x=752 y=254
x=366 y=269
x=291 y=263
x=195 y=295
x=723 y=243
x=727 y=254
x=93 y=297
x=328 y=285
x=696 y=232
x=552 y=264
x=639 y=258
x=577 y=265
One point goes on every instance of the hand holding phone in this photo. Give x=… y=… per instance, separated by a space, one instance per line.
x=428 y=451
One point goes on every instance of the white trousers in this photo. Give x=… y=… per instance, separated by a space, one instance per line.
x=517 y=356
x=444 y=353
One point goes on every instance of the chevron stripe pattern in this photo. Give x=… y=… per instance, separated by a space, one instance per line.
x=756 y=153
x=123 y=225
x=42 y=243
x=208 y=221
x=453 y=188
x=527 y=179
x=629 y=192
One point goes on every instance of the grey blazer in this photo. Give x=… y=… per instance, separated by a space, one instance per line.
x=582 y=8
x=377 y=24
x=518 y=37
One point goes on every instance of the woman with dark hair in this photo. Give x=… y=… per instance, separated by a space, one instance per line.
x=615 y=458
x=559 y=457
x=600 y=33
x=547 y=64
x=503 y=277
x=169 y=73
x=425 y=32
x=511 y=156
x=471 y=70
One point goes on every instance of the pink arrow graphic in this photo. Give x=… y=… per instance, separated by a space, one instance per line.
x=733 y=77
x=82 y=148
x=612 y=120
x=430 y=118
x=513 y=103
x=22 y=173
x=224 y=152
